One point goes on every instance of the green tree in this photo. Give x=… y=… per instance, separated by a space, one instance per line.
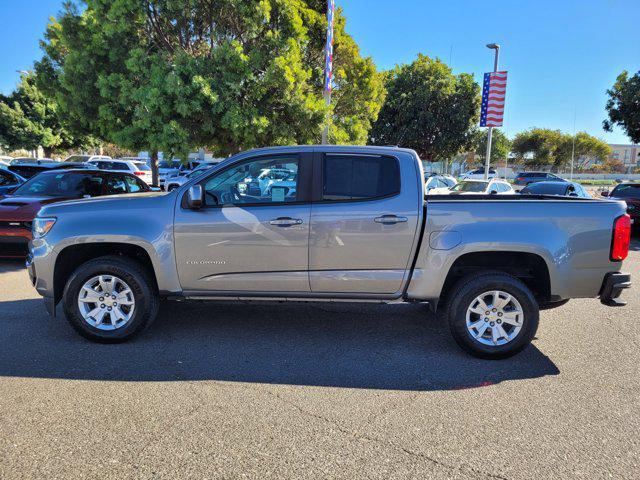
x=500 y=145
x=538 y=146
x=29 y=119
x=587 y=150
x=428 y=108
x=545 y=147
x=623 y=105
x=227 y=75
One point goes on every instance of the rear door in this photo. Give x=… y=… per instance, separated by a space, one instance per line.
x=364 y=222
x=245 y=240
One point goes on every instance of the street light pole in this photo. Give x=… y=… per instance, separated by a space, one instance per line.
x=487 y=160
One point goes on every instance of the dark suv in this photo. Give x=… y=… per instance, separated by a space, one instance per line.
x=525 y=178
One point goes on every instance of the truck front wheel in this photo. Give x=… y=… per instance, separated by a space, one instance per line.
x=492 y=315
x=110 y=300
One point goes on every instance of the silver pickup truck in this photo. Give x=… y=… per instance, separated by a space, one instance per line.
x=329 y=224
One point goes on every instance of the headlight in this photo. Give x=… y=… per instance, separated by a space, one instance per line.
x=41 y=226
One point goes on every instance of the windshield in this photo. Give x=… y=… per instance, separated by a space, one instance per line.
x=470 y=187
x=627 y=191
x=61 y=184
x=196 y=172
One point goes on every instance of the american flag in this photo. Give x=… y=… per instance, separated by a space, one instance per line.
x=493 y=92
x=328 y=65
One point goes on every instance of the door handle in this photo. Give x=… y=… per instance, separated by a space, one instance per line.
x=390 y=219
x=285 y=221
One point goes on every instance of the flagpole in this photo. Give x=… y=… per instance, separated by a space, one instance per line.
x=328 y=70
x=487 y=159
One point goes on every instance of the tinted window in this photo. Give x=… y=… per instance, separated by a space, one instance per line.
x=626 y=191
x=120 y=166
x=359 y=177
x=61 y=184
x=546 y=188
x=250 y=182
x=6 y=179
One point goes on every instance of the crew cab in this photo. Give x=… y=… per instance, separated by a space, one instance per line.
x=359 y=228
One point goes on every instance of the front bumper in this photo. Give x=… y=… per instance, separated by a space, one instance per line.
x=612 y=286
x=49 y=302
x=14 y=242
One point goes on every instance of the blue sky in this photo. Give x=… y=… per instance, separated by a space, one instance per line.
x=561 y=55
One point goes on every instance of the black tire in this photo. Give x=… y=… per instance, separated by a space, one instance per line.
x=550 y=305
x=171 y=188
x=464 y=292
x=141 y=285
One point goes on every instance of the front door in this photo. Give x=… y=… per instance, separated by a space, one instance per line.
x=363 y=223
x=252 y=234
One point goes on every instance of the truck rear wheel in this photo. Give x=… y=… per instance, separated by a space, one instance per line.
x=492 y=315
x=110 y=300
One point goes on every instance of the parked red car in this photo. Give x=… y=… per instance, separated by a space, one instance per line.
x=630 y=193
x=18 y=209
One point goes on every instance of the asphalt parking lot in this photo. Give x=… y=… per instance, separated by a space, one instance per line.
x=240 y=390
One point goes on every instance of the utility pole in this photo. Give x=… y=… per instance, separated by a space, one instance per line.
x=573 y=143
x=328 y=70
x=487 y=160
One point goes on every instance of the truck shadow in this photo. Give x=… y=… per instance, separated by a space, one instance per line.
x=401 y=347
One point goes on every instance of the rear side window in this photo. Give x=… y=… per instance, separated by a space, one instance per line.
x=142 y=166
x=353 y=177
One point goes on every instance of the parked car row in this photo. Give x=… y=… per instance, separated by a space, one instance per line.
x=21 y=200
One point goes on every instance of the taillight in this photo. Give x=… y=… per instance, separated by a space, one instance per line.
x=139 y=173
x=520 y=179
x=621 y=238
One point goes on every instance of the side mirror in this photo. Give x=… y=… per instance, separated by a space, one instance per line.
x=493 y=192
x=605 y=193
x=195 y=197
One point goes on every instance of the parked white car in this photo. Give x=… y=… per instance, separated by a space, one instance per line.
x=478 y=174
x=437 y=182
x=85 y=158
x=174 y=182
x=477 y=187
x=139 y=168
x=174 y=168
x=4 y=160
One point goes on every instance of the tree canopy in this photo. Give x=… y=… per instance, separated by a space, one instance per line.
x=228 y=75
x=428 y=108
x=500 y=144
x=29 y=119
x=623 y=105
x=545 y=147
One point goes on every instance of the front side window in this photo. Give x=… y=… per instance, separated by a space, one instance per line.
x=354 y=177
x=250 y=183
x=6 y=179
x=134 y=184
x=116 y=185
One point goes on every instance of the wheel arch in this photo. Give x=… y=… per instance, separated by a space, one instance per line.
x=531 y=268
x=74 y=255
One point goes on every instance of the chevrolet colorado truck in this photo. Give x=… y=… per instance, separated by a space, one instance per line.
x=358 y=228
